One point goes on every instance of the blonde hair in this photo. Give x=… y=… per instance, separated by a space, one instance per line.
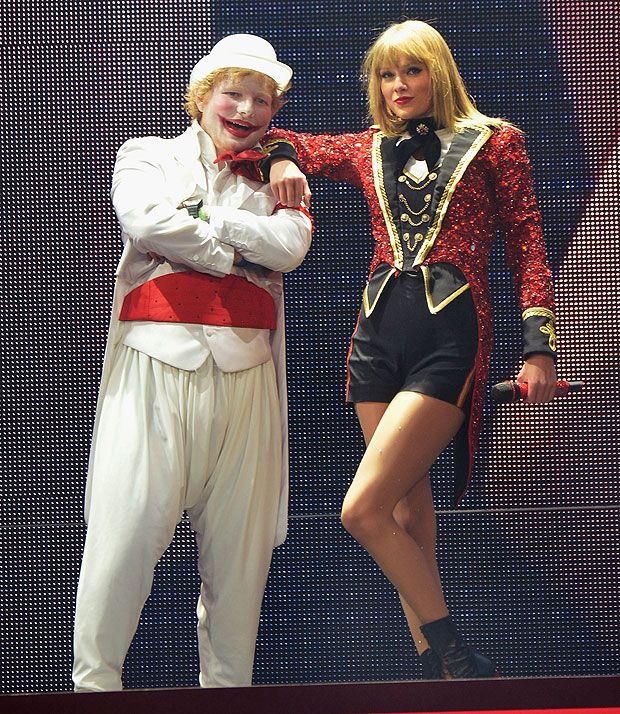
x=200 y=91
x=418 y=41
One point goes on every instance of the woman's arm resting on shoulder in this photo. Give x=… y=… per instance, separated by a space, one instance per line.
x=333 y=156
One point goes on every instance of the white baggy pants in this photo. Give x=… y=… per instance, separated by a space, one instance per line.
x=169 y=440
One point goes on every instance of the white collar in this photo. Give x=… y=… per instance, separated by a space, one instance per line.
x=206 y=146
x=205 y=143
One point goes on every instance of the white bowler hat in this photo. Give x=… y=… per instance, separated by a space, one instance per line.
x=246 y=52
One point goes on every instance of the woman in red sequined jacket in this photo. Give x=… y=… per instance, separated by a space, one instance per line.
x=478 y=180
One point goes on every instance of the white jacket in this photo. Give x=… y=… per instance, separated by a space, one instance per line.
x=152 y=178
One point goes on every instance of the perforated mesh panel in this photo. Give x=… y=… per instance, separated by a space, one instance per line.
x=530 y=565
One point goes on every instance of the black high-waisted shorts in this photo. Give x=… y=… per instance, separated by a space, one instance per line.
x=402 y=346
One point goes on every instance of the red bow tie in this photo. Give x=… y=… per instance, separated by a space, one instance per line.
x=245 y=163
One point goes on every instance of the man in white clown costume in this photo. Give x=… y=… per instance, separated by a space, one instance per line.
x=191 y=414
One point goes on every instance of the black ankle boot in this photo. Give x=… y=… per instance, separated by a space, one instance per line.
x=458 y=659
x=431 y=665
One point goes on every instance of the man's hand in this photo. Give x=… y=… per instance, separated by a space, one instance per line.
x=289 y=184
x=156 y=257
x=539 y=372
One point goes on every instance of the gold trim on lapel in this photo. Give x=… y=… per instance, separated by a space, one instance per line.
x=368 y=308
x=484 y=134
x=434 y=309
x=377 y=173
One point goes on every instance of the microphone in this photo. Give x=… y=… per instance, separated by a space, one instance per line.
x=511 y=391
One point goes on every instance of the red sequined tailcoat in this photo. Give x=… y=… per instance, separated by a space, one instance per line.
x=489 y=188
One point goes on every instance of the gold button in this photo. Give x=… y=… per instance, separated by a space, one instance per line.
x=404 y=217
x=406 y=236
x=432 y=176
x=425 y=217
x=418 y=237
x=402 y=179
x=428 y=197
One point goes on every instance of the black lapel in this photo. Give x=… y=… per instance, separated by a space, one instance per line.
x=391 y=172
x=460 y=145
x=386 y=170
x=464 y=147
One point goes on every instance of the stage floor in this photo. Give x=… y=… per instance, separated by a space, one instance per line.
x=573 y=695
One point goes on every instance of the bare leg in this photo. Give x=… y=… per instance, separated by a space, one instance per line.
x=414 y=513
x=389 y=510
x=412 y=430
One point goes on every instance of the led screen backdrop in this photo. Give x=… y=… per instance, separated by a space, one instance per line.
x=530 y=561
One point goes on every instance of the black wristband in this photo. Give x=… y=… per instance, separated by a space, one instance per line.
x=276 y=149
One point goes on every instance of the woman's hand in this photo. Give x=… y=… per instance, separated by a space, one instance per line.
x=288 y=183
x=539 y=372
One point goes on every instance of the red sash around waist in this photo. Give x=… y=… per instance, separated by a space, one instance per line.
x=201 y=299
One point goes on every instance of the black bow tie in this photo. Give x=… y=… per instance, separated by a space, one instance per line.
x=422 y=137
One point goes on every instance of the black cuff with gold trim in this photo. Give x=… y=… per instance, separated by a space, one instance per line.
x=277 y=149
x=539 y=332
